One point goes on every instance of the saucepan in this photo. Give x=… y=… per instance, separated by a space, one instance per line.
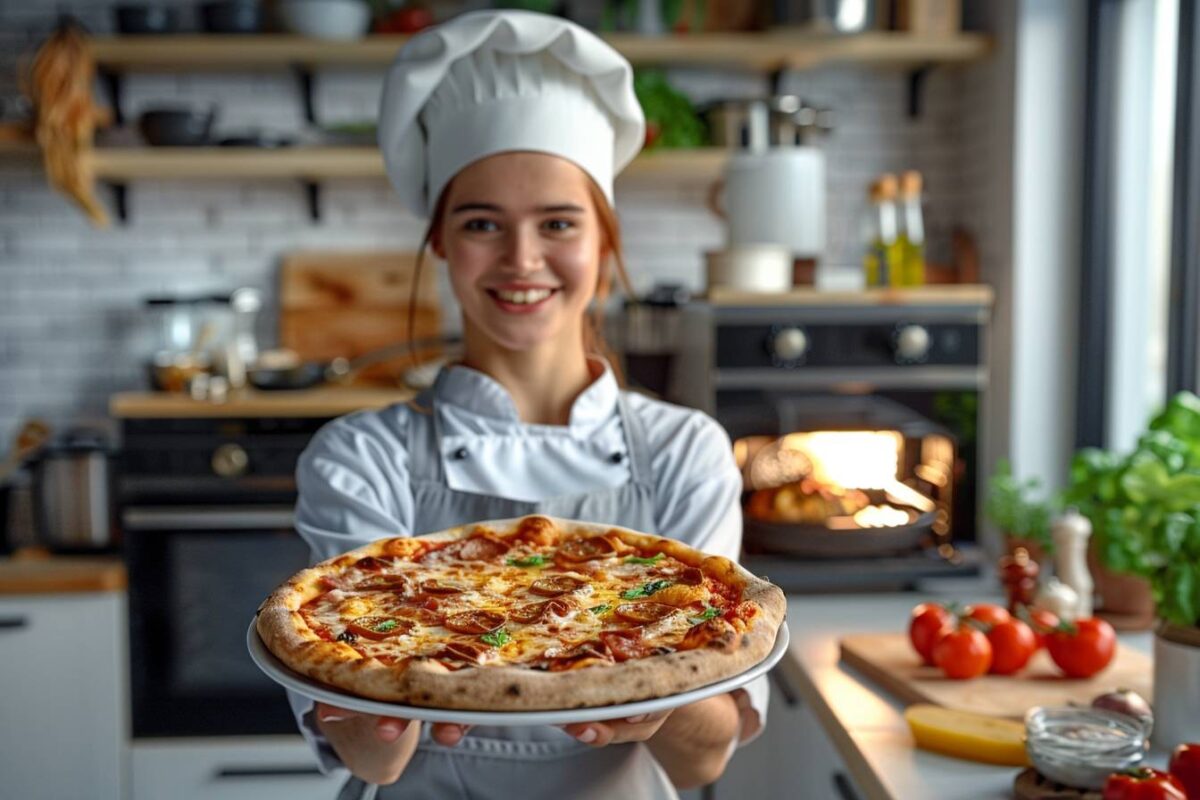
x=282 y=370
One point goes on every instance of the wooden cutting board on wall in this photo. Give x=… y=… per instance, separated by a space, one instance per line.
x=346 y=304
x=889 y=660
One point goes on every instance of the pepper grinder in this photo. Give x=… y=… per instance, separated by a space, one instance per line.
x=1019 y=574
x=1071 y=532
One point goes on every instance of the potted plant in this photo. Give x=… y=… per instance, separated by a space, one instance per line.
x=1145 y=513
x=1021 y=512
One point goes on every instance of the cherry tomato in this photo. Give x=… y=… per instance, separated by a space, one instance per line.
x=1185 y=766
x=1042 y=622
x=926 y=625
x=963 y=653
x=1013 y=643
x=1083 y=647
x=989 y=614
x=1143 y=783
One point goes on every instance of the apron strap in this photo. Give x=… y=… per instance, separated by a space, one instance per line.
x=635 y=441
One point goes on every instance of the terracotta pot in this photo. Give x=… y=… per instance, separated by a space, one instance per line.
x=1126 y=601
x=1176 y=685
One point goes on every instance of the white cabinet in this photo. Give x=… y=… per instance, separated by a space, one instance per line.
x=253 y=768
x=63 y=708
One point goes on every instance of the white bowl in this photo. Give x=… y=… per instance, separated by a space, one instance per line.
x=339 y=20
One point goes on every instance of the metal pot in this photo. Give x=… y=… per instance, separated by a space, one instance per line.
x=72 y=500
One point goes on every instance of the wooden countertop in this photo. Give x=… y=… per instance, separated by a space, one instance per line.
x=38 y=573
x=963 y=294
x=325 y=402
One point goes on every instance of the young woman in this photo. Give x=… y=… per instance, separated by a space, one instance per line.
x=506 y=128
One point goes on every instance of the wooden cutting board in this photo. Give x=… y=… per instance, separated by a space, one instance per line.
x=889 y=660
x=346 y=304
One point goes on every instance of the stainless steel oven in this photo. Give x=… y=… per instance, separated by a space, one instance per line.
x=205 y=507
x=854 y=419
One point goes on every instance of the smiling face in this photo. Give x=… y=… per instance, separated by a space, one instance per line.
x=523 y=241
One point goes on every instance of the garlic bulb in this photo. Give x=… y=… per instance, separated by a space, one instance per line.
x=1059 y=599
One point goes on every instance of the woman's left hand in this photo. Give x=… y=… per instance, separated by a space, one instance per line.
x=618 y=731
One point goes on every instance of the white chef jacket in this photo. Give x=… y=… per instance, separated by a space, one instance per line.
x=353 y=476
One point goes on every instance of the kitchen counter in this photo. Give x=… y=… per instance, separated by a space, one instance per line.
x=38 y=574
x=865 y=725
x=323 y=402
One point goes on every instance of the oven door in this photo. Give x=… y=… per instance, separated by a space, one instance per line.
x=196 y=577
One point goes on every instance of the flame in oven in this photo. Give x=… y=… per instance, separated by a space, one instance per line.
x=850 y=459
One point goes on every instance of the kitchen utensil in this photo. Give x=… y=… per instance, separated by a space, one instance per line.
x=336 y=20
x=751 y=267
x=827 y=16
x=30 y=439
x=758 y=123
x=139 y=19
x=889 y=660
x=231 y=16
x=307 y=375
x=344 y=305
x=261 y=139
x=163 y=127
x=71 y=493
x=774 y=197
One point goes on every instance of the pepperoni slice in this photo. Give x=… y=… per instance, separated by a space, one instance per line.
x=691 y=576
x=644 y=613
x=435 y=586
x=625 y=645
x=474 y=621
x=372 y=564
x=533 y=612
x=379 y=628
x=464 y=652
x=581 y=655
x=417 y=614
x=714 y=633
x=586 y=549
x=554 y=585
x=383 y=583
x=481 y=547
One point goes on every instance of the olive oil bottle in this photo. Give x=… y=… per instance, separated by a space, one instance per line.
x=883 y=258
x=911 y=233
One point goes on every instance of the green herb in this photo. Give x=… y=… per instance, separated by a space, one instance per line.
x=385 y=626
x=497 y=638
x=670 y=118
x=654 y=559
x=603 y=608
x=1145 y=507
x=709 y=613
x=645 y=590
x=529 y=561
x=1012 y=506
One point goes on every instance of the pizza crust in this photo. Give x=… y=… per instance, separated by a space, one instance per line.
x=426 y=682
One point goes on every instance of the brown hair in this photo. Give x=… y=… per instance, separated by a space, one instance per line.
x=593 y=323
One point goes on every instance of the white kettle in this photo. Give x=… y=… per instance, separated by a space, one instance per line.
x=774 y=196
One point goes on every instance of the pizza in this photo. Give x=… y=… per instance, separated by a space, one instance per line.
x=535 y=613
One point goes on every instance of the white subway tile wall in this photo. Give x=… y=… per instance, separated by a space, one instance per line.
x=72 y=330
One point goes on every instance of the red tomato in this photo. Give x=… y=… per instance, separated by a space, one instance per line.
x=989 y=614
x=1143 y=783
x=1013 y=643
x=1083 y=647
x=1043 y=622
x=926 y=625
x=963 y=653
x=1185 y=766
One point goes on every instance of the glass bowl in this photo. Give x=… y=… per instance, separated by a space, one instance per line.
x=1081 y=747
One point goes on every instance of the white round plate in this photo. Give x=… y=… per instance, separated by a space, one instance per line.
x=283 y=675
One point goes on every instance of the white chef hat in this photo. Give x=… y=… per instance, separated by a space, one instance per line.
x=494 y=81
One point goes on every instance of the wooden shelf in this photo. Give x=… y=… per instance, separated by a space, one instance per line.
x=781 y=49
x=315 y=163
x=956 y=294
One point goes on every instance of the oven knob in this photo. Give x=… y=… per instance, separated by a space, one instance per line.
x=790 y=344
x=230 y=461
x=912 y=343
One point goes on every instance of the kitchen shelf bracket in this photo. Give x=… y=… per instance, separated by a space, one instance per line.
x=916 y=88
x=312 y=191
x=304 y=74
x=120 y=194
x=114 y=84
